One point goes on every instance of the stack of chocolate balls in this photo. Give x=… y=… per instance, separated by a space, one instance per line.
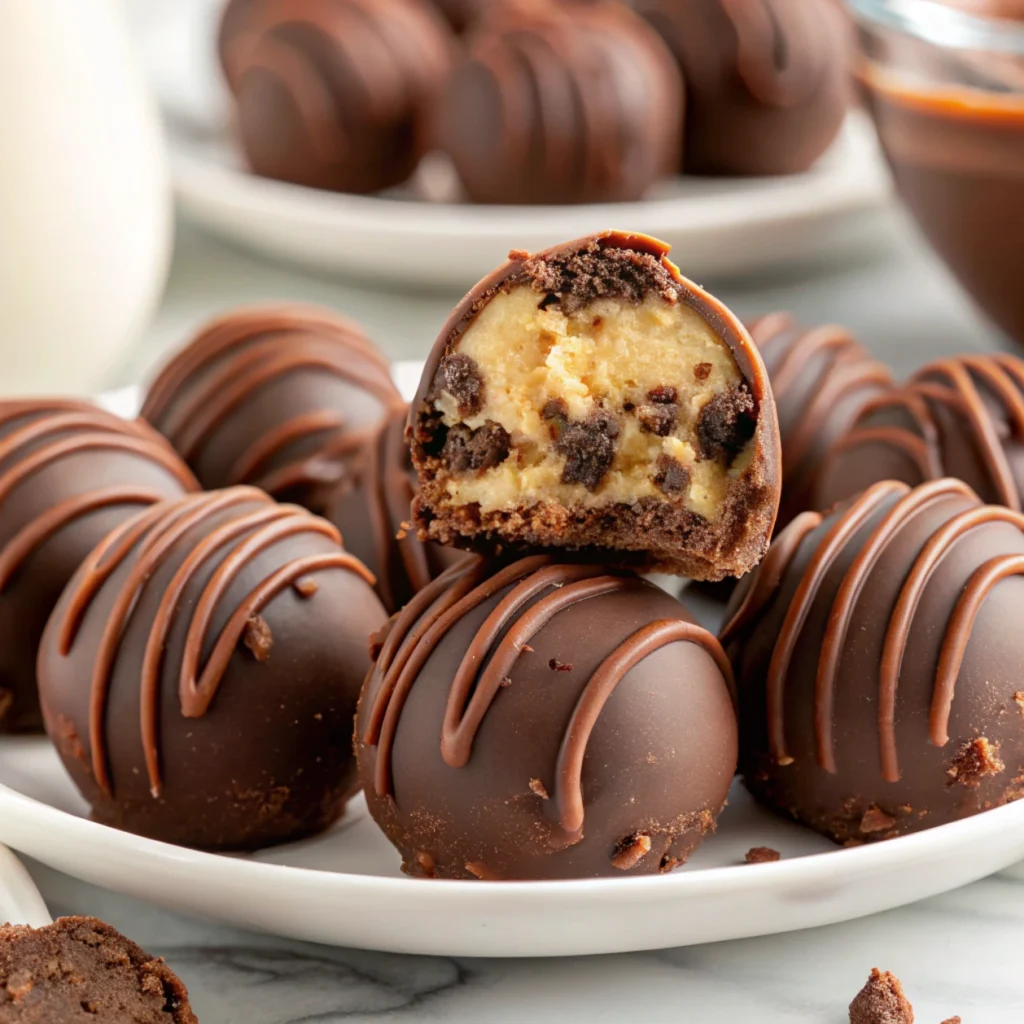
x=533 y=101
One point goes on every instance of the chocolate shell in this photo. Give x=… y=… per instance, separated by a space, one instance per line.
x=878 y=663
x=539 y=720
x=766 y=80
x=200 y=673
x=69 y=473
x=572 y=102
x=277 y=397
x=335 y=94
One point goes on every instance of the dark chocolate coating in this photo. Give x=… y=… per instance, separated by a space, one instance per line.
x=766 y=81
x=277 y=397
x=636 y=266
x=878 y=663
x=821 y=378
x=200 y=673
x=69 y=473
x=372 y=507
x=335 y=94
x=570 y=102
x=961 y=417
x=542 y=720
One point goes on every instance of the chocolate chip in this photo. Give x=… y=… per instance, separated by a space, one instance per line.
x=477 y=450
x=726 y=424
x=672 y=476
x=589 y=450
x=664 y=394
x=658 y=417
x=702 y=371
x=461 y=378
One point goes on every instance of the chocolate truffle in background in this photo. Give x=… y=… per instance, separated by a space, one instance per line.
x=877 y=657
x=335 y=94
x=200 y=673
x=572 y=102
x=542 y=720
x=590 y=397
x=102 y=976
x=69 y=473
x=821 y=378
x=960 y=417
x=276 y=397
x=372 y=507
x=463 y=14
x=767 y=81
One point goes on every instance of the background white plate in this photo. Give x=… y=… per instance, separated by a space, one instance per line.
x=716 y=227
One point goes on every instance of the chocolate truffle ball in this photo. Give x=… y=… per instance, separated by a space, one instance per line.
x=570 y=102
x=276 y=397
x=878 y=663
x=766 y=81
x=81 y=969
x=821 y=378
x=200 y=673
x=961 y=417
x=590 y=397
x=335 y=94
x=372 y=509
x=69 y=473
x=539 y=720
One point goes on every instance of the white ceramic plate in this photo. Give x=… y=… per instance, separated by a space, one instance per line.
x=20 y=902
x=415 y=237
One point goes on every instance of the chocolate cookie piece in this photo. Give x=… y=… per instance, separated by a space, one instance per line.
x=878 y=663
x=200 y=673
x=571 y=102
x=335 y=94
x=81 y=969
x=881 y=1001
x=542 y=720
x=590 y=397
x=69 y=473
x=277 y=397
x=960 y=417
x=372 y=507
x=822 y=379
x=766 y=81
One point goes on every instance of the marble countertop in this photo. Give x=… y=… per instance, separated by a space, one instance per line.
x=956 y=954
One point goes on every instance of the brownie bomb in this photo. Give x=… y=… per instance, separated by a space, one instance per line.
x=335 y=94
x=541 y=720
x=69 y=473
x=590 y=397
x=200 y=673
x=878 y=663
x=276 y=397
x=766 y=81
x=570 y=102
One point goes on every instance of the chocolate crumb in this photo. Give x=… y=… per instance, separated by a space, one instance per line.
x=952 y=1020
x=881 y=1001
x=631 y=851
x=481 y=871
x=461 y=378
x=975 y=761
x=306 y=587
x=672 y=476
x=762 y=855
x=558 y=666
x=505 y=681
x=726 y=424
x=1018 y=699
x=258 y=638
x=702 y=371
x=589 y=450
x=477 y=450
x=537 y=788
x=876 y=820
x=426 y=863
x=668 y=863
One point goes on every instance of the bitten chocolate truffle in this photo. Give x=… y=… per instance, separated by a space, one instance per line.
x=540 y=720
x=821 y=378
x=335 y=94
x=200 y=673
x=277 y=397
x=766 y=81
x=571 y=102
x=372 y=507
x=961 y=417
x=80 y=969
x=590 y=397
x=878 y=663
x=69 y=473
